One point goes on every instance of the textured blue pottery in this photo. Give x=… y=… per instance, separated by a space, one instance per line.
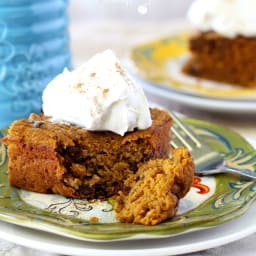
x=34 y=48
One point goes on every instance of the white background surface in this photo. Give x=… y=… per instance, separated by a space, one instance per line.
x=127 y=10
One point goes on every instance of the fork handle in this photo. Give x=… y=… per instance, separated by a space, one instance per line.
x=227 y=169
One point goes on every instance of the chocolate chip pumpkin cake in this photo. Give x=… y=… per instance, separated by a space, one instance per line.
x=96 y=132
x=228 y=60
x=66 y=159
x=223 y=48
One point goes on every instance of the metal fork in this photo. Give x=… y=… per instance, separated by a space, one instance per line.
x=207 y=160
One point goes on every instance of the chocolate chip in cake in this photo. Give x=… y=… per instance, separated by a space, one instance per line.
x=37 y=124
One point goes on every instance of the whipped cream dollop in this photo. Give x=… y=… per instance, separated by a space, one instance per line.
x=229 y=18
x=99 y=96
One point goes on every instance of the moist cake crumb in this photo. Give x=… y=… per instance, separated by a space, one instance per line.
x=74 y=162
x=151 y=195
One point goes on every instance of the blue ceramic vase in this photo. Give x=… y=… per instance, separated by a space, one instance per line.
x=34 y=48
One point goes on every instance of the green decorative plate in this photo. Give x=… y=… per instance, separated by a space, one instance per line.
x=210 y=202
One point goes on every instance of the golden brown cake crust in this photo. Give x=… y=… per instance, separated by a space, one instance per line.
x=152 y=194
x=222 y=59
x=48 y=157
